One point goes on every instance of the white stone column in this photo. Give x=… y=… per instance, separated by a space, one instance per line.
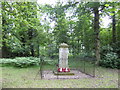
x=63 y=56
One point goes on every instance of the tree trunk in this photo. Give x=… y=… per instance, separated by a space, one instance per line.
x=31 y=45
x=113 y=28
x=23 y=45
x=96 y=31
x=32 y=50
x=0 y=51
x=32 y=31
x=38 y=50
x=78 y=47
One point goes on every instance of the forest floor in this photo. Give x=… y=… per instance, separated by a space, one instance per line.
x=25 y=78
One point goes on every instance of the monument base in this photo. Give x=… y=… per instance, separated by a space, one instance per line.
x=63 y=73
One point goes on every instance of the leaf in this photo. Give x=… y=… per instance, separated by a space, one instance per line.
x=112 y=9
x=118 y=12
x=106 y=5
x=111 y=14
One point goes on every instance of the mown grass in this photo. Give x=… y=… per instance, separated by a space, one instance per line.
x=25 y=78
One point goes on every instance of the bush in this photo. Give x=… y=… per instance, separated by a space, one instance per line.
x=118 y=64
x=26 y=61
x=20 y=61
x=6 y=62
x=23 y=62
x=105 y=49
x=110 y=60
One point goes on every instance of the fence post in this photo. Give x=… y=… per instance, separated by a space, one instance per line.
x=94 y=69
x=84 y=65
x=41 y=63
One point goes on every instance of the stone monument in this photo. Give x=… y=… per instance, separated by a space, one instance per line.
x=63 y=68
x=63 y=58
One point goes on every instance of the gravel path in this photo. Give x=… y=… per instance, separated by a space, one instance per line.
x=50 y=75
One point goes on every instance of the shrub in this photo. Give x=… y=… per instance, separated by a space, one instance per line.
x=23 y=62
x=105 y=49
x=26 y=61
x=118 y=64
x=20 y=61
x=110 y=60
x=6 y=62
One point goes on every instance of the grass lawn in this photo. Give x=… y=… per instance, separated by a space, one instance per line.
x=24 y=78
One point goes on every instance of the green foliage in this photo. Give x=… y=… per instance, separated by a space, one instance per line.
x=105 y=49
x=21 y=28
x=108 y=57
x=105 y=36
x=26 y=30
x=5 y=62
x=26 y=61
x=116 y=48
x=50 y=62
x=110 y=60
x=86 y=54
x=20 y=62
x=106 y=5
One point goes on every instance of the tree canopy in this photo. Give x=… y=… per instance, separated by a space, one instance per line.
x=30 y=29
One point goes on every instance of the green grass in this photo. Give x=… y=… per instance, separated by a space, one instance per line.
x=13 y=77
x=24 y=78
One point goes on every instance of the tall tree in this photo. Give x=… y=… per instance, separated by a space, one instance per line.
x=20 y=27
x=96 y=30
x=113 y=26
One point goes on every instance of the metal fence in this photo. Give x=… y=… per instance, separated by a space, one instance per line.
x=81 y=67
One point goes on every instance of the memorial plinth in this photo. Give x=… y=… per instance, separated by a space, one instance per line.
x=63 y=68
x=63 y=58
